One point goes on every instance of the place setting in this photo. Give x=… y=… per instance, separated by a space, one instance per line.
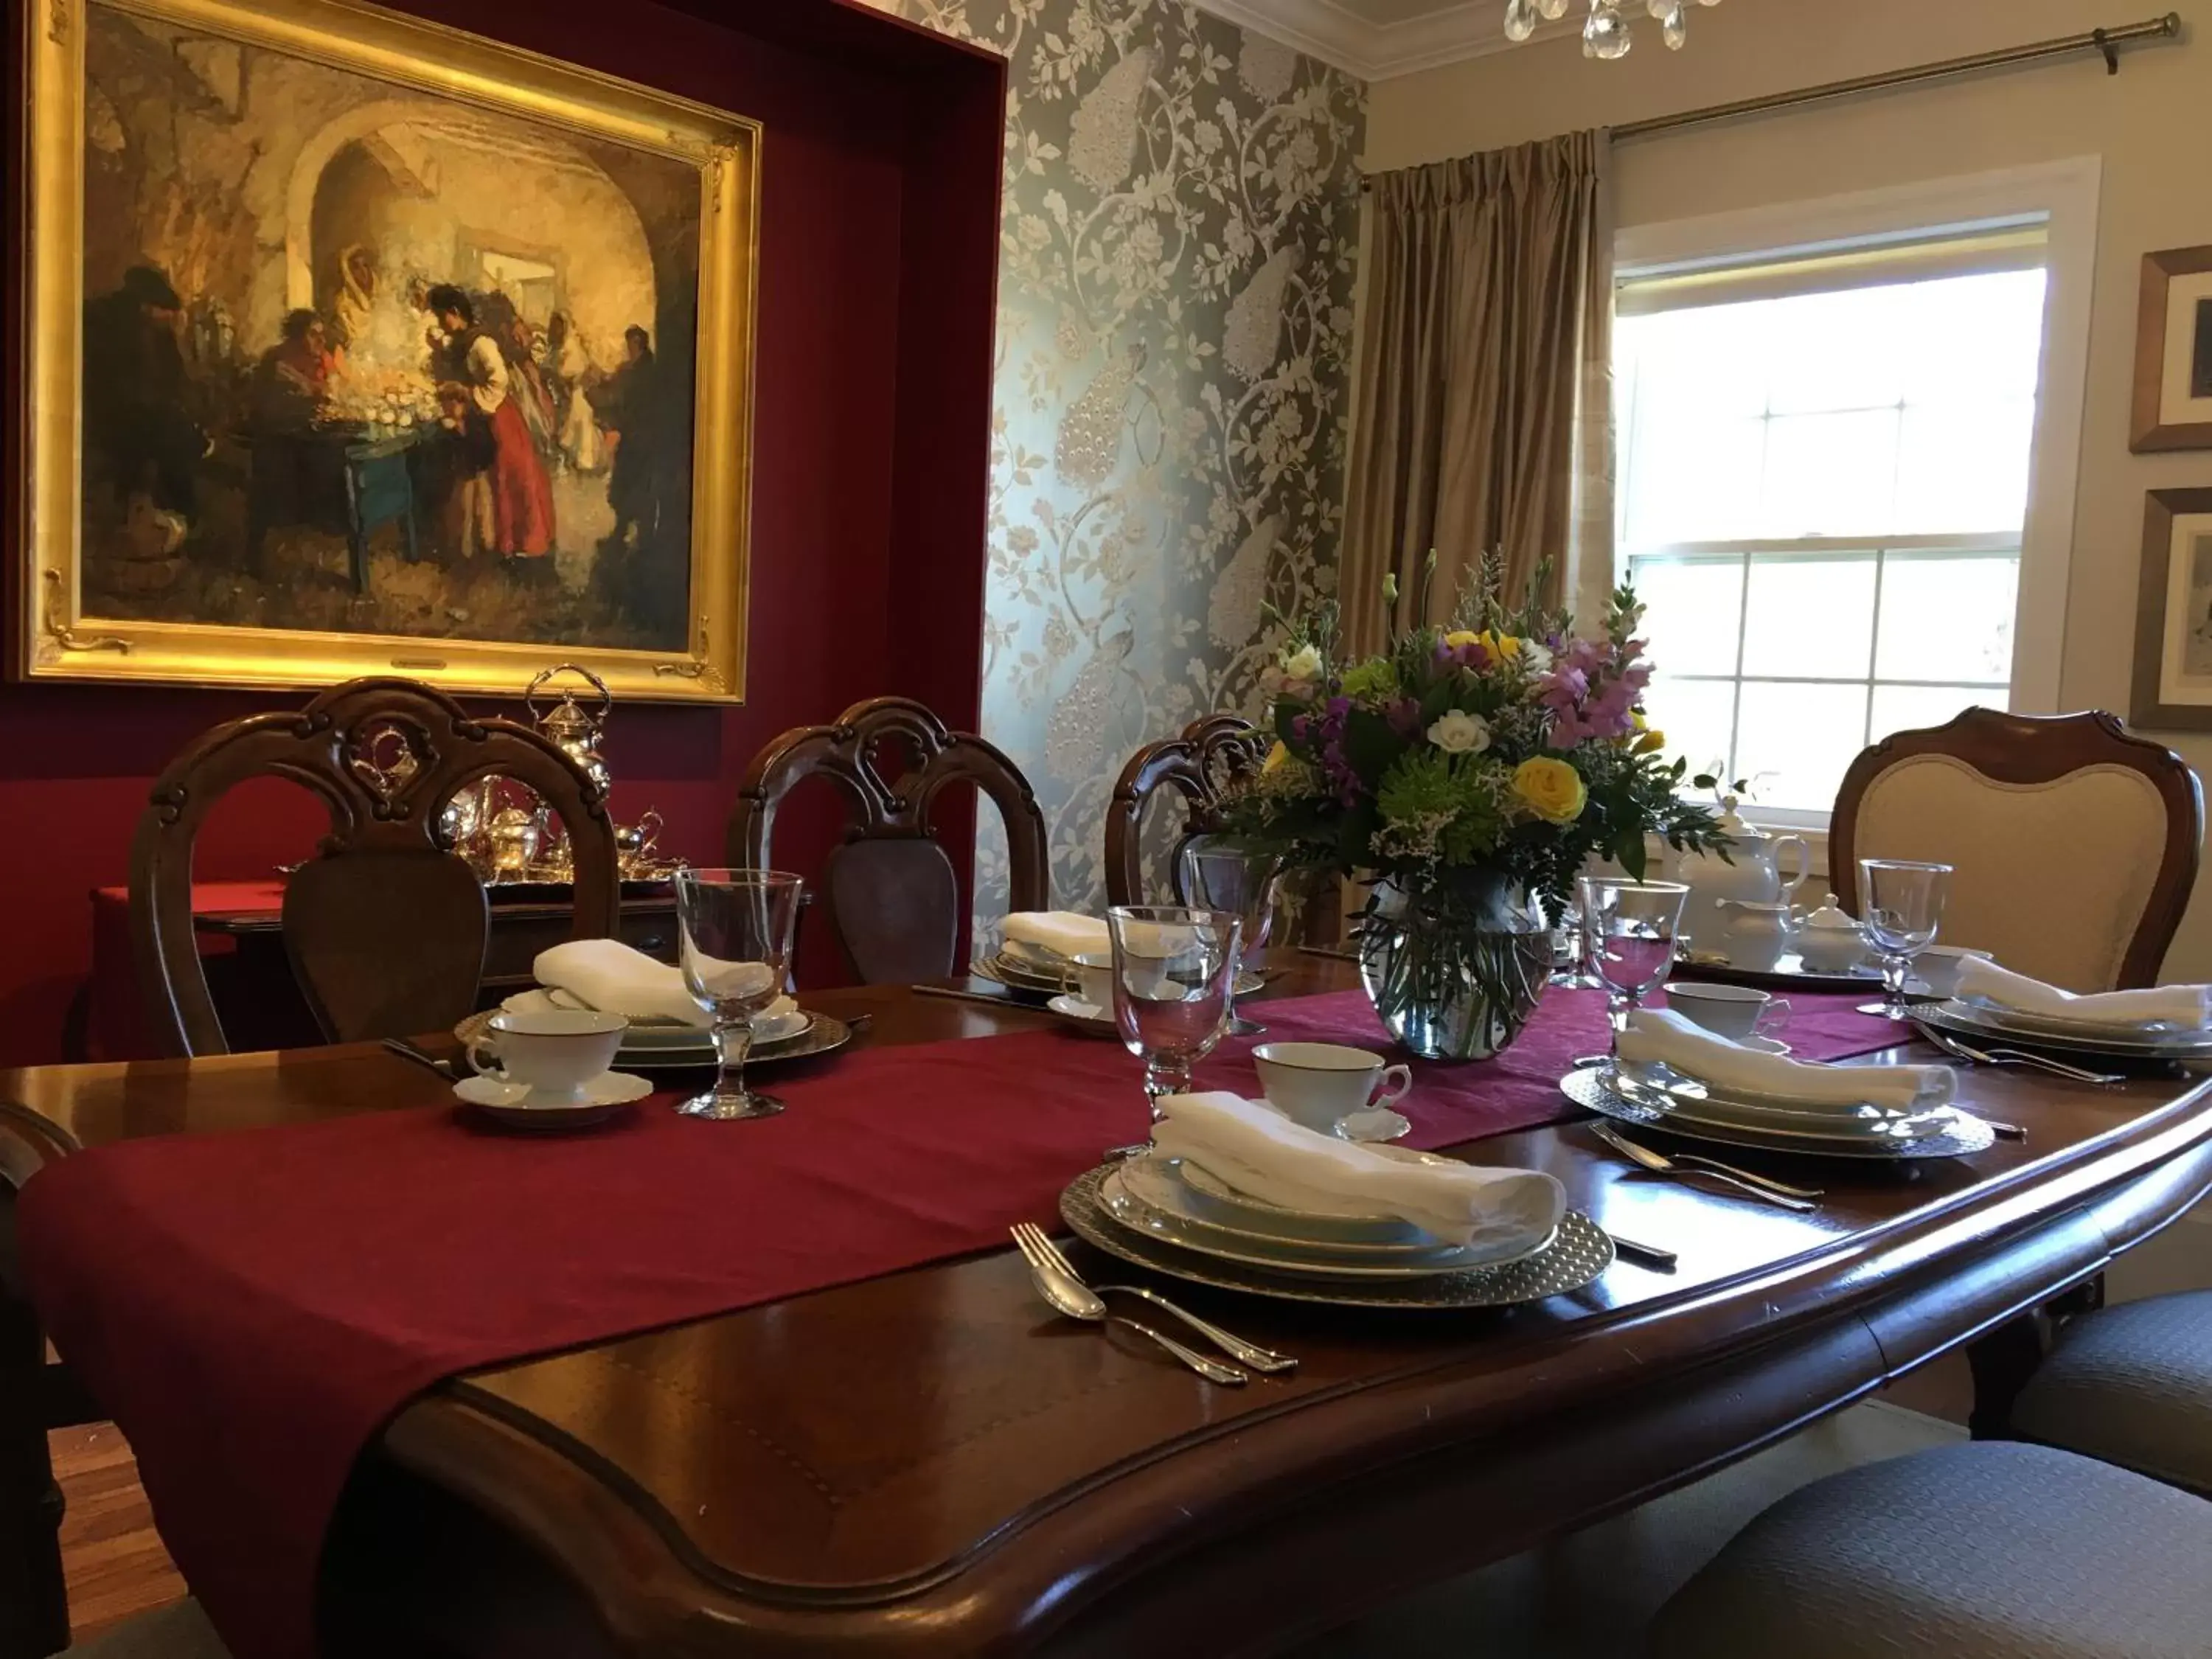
x=1299 y=1195
x=607 y=1020
x=1708 y=1068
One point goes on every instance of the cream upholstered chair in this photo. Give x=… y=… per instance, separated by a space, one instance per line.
x=2075 y=844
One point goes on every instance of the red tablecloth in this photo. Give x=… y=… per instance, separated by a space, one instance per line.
x=115 y=1013
x=252 y=1307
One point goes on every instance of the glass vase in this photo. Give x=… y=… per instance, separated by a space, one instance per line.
x=1455 y=972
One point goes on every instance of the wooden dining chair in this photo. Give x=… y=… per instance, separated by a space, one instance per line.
x=1199 y=765
x=2075 y=844
x=385 y=925
x=893 y=897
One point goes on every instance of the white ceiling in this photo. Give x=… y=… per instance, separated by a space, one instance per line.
x=1376 y=39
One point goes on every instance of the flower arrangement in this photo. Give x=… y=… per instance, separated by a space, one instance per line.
x=1469 y=771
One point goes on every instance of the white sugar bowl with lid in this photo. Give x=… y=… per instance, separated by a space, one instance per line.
x=1829 y=940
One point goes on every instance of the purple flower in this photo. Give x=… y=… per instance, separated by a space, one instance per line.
x=1405 y=717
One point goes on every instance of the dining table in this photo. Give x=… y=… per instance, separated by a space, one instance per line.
x=927 y=1462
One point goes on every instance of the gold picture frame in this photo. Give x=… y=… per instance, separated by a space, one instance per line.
x=67 y=632
x=2172 y=405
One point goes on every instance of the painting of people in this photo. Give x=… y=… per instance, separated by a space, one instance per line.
x=360 y=357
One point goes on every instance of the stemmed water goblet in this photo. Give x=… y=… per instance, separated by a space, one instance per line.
x=1217 y=873
x=1900 y=906
x=1173 y=970
x=735 y=929
x=1628 y=938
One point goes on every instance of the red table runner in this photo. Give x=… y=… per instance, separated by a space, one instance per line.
x=253 y=1307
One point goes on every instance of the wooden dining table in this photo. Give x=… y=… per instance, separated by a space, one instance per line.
x=931 y=1464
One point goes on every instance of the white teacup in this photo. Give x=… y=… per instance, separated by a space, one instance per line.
x=1094 y=979
x=1938 y=967
x=551 y=1052
x=1321 y=1084
x=1737 y=1012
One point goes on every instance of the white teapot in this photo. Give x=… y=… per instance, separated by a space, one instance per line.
x=1751 y=874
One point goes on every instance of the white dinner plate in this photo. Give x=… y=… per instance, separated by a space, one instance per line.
x=1288 y=1256
x=1666 y=1089
x=1979 y=1023
x=1196 y=1196
x=1592 y=1088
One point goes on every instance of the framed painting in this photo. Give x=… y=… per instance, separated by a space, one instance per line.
x=2174 y=353
x=2174 y=614
x=357 y=344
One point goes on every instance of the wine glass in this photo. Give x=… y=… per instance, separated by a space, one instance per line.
x=735 y=928
x=1217 y=874
x=1900 y=905
x=1628 y=938
x=1173 y=971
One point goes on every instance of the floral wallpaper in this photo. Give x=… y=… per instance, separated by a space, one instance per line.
x=1170 y=413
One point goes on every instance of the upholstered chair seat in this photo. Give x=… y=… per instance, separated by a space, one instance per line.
x=2131 y=1384
x=1987 y=1550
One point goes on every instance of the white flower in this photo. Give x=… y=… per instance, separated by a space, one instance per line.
x=1304 y=664
x=1536 y=656
x=1461 y=734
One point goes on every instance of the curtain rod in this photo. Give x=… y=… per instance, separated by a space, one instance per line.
x=2106 y=42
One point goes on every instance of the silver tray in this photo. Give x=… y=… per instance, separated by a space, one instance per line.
x=825 y=1033
x=1579 y=1252
x=1591 y=1088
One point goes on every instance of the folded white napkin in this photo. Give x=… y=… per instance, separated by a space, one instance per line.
x=1260 y=1152
x=1042 y=935
x=2187 y=1007
x=1662 y=1035
x=607 y=975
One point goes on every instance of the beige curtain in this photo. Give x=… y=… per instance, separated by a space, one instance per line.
x=1484 y=406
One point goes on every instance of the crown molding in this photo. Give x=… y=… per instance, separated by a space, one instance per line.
x=1458 y=30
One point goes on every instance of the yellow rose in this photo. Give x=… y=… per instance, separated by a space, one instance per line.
x=1503 y=647
x=1552 y=789
x=1278 y=758
x=1461 y=637
x=1651 y=741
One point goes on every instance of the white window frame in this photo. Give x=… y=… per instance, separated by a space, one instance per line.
x=2063 y=195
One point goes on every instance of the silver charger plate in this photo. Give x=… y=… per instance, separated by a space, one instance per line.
x=825 y=1033
x=1591 y=1088
x=1578 y=1252
x=1017 y=975
x=1980 y=1025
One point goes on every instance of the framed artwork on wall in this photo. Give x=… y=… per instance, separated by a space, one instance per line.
x=358 y=344
x=2174 y=614
x=2174 y=353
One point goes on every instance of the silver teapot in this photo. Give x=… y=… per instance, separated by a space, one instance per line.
x=577 y=733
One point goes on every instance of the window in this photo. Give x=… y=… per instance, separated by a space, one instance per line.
x=1823 y=481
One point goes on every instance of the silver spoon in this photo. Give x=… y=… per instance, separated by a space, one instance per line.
x=1078 y=1300
x=1952 y=1045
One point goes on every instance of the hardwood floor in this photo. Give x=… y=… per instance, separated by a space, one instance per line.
x=110 y=1554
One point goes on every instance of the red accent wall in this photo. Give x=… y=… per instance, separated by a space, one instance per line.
x=879 y=205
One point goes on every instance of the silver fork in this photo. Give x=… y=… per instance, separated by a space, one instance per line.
x=1952 y=1045
x=1689 y=1165
x=1245 y=1353
x=1070 y=1296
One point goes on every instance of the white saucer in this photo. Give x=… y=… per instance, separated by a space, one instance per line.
x=1375 y=1125
x=1076 y=1008
x=521 y=1108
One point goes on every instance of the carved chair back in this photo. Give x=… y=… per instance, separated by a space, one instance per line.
x=2075 y=844
x=1199 y=765
x=385 y=925
x=891 y=894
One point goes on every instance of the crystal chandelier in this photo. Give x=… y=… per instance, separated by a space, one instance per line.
x=1605 y=33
